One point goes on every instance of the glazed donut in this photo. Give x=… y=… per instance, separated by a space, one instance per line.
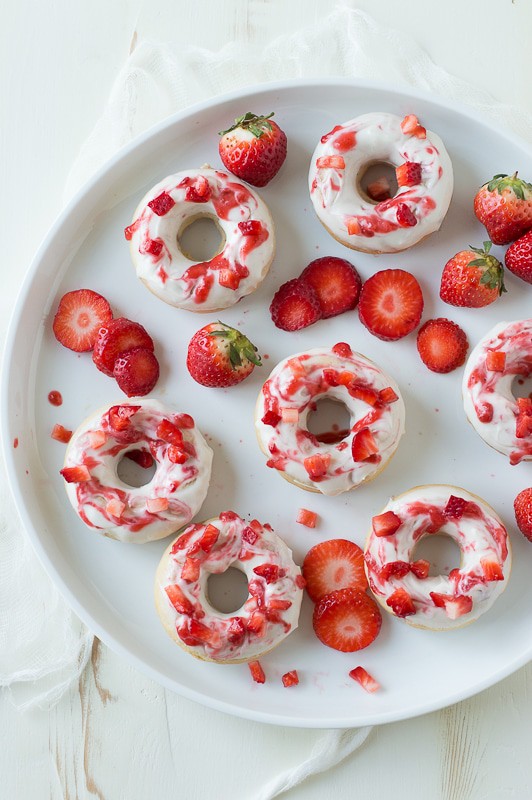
x=404 y=587
x=425 y=178
x=371 y=397
x=504 y=422
x=246 y=251
x=271 y=610
x=141 y=428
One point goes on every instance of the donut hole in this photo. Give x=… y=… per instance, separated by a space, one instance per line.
x=227 y=591
x=131 y=472
x=329 y=421
x=201 y=238
x=522 y=386
x=441 y=551
x=373 y=179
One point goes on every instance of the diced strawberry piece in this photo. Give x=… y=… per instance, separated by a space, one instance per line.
x=395 y=569
x=364 y=447
x=523 y=426
x=116 y=337
x=271 y=418
x=401 y=603
x=199 y=192
x=330 y=162
x=162 y=204
x=270 y=572
x=524 y=404
x=179 y=600
x=346 y=620
x=334 y=564
x=420 y=568
x=408 y=174
x=379 y=189
x=249 y=535
x=141 y=457
x=97 y=439
x=183 y=541
x=387 y=396
x=79 y=474
x=455 y=606
x=492 y=570
x=484 y=412
x=405 y=216
x=495 y=360
x=290 y=415
x=209 y=538
x=61 y=434
x=119 y=416
x=391 y=304
x=411 y=125
x=279 y=605
x=442 y=345
x=295 y=305
x=175 y=454
x=290 y=678
x=307 y=518
x=437 y=520
x=345 y=378
x=191 y=570
x=296 y=367
x=336 y=283
x=136 y=371
x=156 y=504
x=228 y=516
x=317 y=465
x=79 y=316
x=386 y=524
x=330 y=376
x=169 y=432
x=257 y=673
x=342 y=349
x=250 y=227
x=115 y=508
x=228 y=278
x=153 y=247
x=300 y=582
x=362 y=677
x=455 y=508
x=353 y=226
x=236 y=630
x=256 y=625
x=183 y=421
x=364 y=393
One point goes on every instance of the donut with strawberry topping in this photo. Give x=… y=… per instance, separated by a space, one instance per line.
x=148 y=433
x=501 y=419
x=361 y=219
x=245 y=253
x=275 y=587
x=334 y=462
x=404 y=585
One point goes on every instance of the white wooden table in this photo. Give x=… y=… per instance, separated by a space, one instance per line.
x=117 y=734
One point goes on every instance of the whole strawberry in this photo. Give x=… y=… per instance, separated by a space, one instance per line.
x=504 y=206
x=472 y=278
x=254 y=148
x=219 y=355
x=518 y=258
x=523 y=512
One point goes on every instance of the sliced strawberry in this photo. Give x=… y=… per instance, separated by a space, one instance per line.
x=495 y=360
x=523 y=512
x=116 y=337
x=61 y=434
x=307 y=518
x=336 y=283
x=346 y=620
x=408 y=174
x=136 y=371
x=290 y=678
x=420 y=568
x=97 y=439
x=455 y=606
x=364 y=447
x=178 y=599
x=401 y=603
x=442 y=345
x=386 y=524
x=331 y=565
x=78 y=474
x=295 y=305
x=79 y=317
x=366 y=680
x=391 y=304
x=492 y=569
x=257 y=673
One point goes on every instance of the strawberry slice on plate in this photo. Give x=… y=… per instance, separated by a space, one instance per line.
x=136 y=371
x=295 y=305
x=79 y=317
x=390 y=304
x=253 y=148
x=115 y=338
x=219 y=355
x=334 y=564
x=347 y=620
x=442 y=345
x=336 y=282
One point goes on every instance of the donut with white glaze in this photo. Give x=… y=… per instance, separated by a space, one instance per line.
x=372 y=399
x=275 y=587
x=502 y=420
x=246 y=250
x=349 y=214
x=405 y=587
x=139 y=428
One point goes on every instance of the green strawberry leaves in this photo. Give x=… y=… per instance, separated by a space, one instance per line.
x=258 y=125
x=492 y=272
x=240 y=348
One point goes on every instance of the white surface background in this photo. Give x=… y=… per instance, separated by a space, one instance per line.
x=117 y=735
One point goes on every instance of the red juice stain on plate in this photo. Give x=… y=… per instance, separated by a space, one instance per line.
x=15 y=442
x=55 y=398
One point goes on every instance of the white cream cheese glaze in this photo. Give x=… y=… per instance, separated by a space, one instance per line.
x=352 y=218
x=176 y=490
x=275 y=588
x=468 y=591
x=248 y=241
x=489 y=403
x=296 y=385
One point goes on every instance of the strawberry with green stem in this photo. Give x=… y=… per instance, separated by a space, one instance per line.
x=504 y=207
x=253 y=148
x=219 y=355
x=472 y=278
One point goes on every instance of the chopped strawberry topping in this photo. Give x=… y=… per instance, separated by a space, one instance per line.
x=162 y=204
x=484 y=412
x=256 y=625
x=169 y=432
x=336 y=283
x=455 y=606
x=115 y=508
x=332 y=162
x=342 y=349
x=191 y=570
x=61 y=434
x=270 y=572
x=228 y=278
x=408 y=174
x=364 y=393
x=250 y=227
x=495 y=360
x=346 y=620
x=317 y=465
x=492 y=570
x=334 y=564
x=78 y=474
x=257 y=673
x=401 y=603
x=362 y=677
x=395 y=569
x=411 y=125
x=387 y=396
x=136 y=371
x=153 y=246
x=156 y=504
x=523 y=423
x=386 y=524
x=290 y=415
x=194 y=633
x=271 y=418
x=200 y=192
x=405 y=217
x=97 y=439
x=456 y=507
x=250 y=535
x=236 y=630
x=209 y=538
x=176 y=454
x=307 y=518
x=290 y=678
x=178 y=599
x=183 y=420
x=119 y=416
x=364 y=447
x=420 y=568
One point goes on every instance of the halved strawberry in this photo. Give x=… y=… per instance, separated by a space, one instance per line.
x=79 y=317
x=334 y=564
x=290 y=678
x=385 y=524
x=295 y=305
x=366 y=680
x=442 y=345
x=336 y=282
x=136 y=371
x=116 y=337
x=79 y=474
x=257 y=673
x=346 y=620
x=390 y=304
x=401 y=603
x=219 y=356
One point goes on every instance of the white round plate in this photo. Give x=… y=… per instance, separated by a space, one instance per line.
x=109 y=584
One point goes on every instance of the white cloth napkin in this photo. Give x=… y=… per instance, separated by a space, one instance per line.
x=43 y=648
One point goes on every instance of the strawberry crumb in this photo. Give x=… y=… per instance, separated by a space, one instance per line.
x=290 y=678
x=307 y=518
x=257 y=673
